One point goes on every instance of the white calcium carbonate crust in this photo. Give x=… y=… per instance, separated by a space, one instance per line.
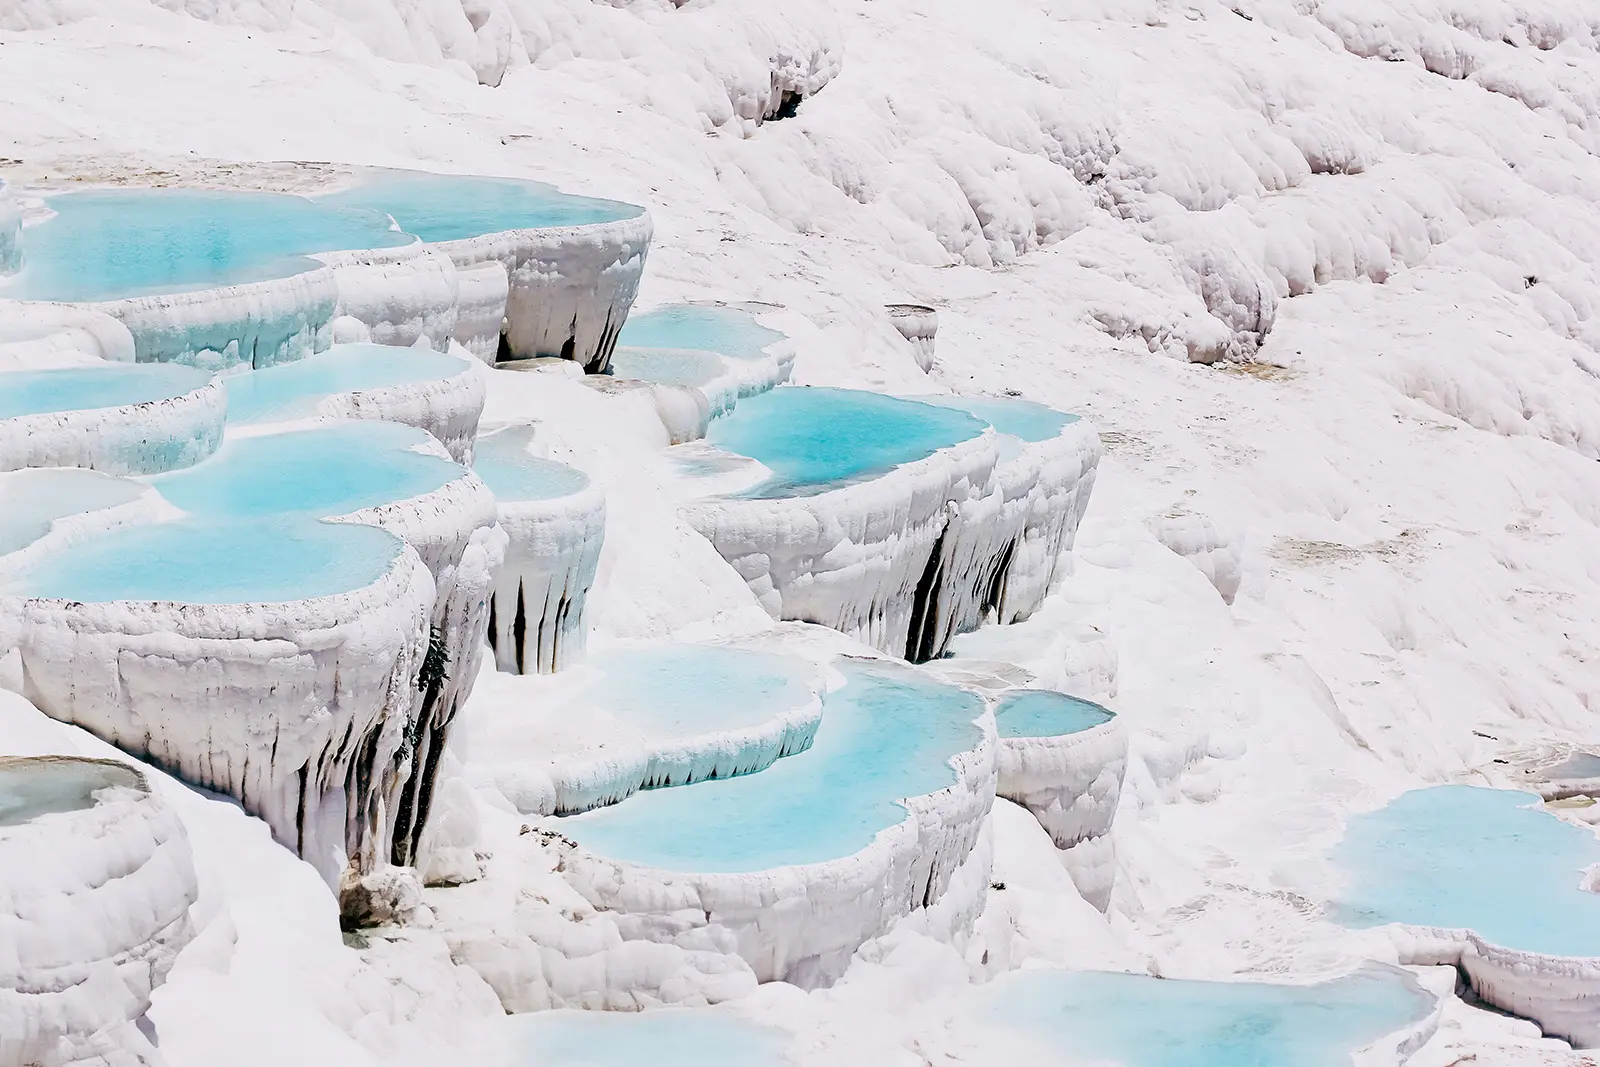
x=403 y=295
x=800 y=924
x=570 y=286
x=147 y=438
x=552 y=554
x=257 y=324
x=35 y=335
x=298 y=710
x=94 y=908
x=849 y=558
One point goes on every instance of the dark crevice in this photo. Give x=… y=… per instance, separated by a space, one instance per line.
x=519 y=631
x=494 y=629
x=923 y=635
x=997 y=583
x=502 y=352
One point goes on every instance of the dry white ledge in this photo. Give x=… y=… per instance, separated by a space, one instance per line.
x=570 y=286
x=94 y=908
x=800 y=924
x=147 y=438
x=35 y=335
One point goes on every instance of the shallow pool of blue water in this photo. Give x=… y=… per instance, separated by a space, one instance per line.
x=887 y=735
x=1045 y=713
x=105 y=385
x=683 y=689
x=1076 y=1017
x=214 y=561
x=666 y=366
x=699 y=327
x=1462 y=857
x=1019 y=418
x=450 y=207
x=814 y=439
x=35 y=787
x=291 y=390
x=104 y=244
x=511 y=473
x=330 y=470
x=32 y=499
x=671 y=1037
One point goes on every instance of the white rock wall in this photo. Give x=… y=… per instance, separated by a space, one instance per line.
x=447 y=409
x=1071 y=785
x=453 y=531
x=850 y=558
x=94 y=908
x=10 y=231
x=254 y=325
x=148 y=438
x=799 y=924
x=570 y=287
x=403 y=295
x=299 y=710
x=539 y=618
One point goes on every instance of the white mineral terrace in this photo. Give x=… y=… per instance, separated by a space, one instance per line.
x=862 y=828
x=440 y=394
x=119 y=418
x=643 y=717
x=96 y=880
x=554 y=519
x=490 y=264
x=899 y=523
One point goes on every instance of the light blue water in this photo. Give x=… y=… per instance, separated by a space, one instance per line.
x=330 y=470
x=678 y=690
x=108 y=385
x=815 y=439
x=666 y=367
x=671 y=1037
x=888 y=734
x=212 y=561
x=30 y=500
x=448 y=207
x=1019 y=418
x=35 y=787
x=103 y=244
x=1044 y=713
x=701 y=327
x=291 y=390
x=501 y=459
x=1487 y=860
x=1138 y=1021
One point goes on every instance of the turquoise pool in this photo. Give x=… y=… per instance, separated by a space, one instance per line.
x=1050 y=1017
x=503 y=462
x=291 y=390
x=1045 y=713
x=888 y=734
x=106 y=385
x=814 y=439
x=450 y=207
x=699 y=327
x=331 y=470
x=35 y=787
x=105 y=244
x=214 y=561
x=1461 y=857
